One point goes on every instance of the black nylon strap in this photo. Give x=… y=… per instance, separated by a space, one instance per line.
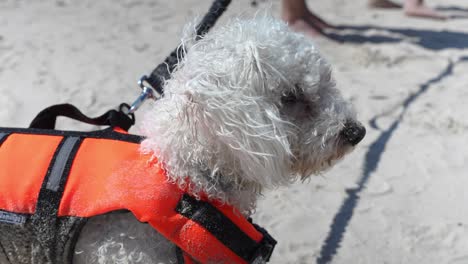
x=216 y=10
x=220 y=227
x=47 y=118
x=163 y=71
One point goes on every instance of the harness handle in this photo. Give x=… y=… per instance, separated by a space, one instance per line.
x=47 y=118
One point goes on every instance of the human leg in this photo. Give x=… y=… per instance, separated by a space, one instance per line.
x=418 y=9
x=300 y=18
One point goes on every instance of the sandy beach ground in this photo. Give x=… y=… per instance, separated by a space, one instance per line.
x=401 y=197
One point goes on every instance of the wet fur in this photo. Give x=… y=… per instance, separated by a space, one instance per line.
x=251 y=106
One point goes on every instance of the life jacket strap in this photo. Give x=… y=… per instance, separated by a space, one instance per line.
x=226 y=231
x=45 y=219
x=267 y=245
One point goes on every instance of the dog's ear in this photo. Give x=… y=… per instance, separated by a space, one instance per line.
x=234 y=126
x=238 y=136
x=218 y=115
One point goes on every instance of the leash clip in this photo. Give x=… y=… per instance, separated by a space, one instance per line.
x=147 y=92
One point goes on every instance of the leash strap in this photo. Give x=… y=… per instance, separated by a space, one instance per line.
x=163 y=71
x=47 y=118
x=152 y=85
x=125 y=118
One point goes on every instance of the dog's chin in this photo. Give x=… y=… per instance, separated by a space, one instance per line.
x=304 y=169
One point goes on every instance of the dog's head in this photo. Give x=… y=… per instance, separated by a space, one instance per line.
x=251 y=103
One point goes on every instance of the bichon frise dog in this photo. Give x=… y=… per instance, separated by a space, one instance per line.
x=251 y=106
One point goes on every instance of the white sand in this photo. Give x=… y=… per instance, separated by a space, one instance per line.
x=411 y=206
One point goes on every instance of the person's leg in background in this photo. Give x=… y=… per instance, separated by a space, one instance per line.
x=300 y=18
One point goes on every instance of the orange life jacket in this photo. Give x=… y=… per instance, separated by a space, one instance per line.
x=48 y=175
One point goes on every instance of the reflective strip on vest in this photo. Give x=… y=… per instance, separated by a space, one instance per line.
x=56 y=174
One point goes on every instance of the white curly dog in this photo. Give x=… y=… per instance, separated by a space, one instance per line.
x=251 y=106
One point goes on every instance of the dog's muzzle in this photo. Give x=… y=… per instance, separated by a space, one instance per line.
x=353 y=132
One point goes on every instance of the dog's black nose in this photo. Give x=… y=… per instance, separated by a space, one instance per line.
x=353 y=132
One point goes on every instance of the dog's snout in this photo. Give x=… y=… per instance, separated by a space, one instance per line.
x=353 y=132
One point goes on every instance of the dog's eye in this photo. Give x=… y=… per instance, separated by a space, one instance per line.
x=289 y=98
x=292 y=97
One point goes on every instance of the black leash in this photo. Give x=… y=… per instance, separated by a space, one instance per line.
x=152 y=86
x=163 y=71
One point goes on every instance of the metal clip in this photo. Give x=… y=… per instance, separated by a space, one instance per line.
x=146 y=92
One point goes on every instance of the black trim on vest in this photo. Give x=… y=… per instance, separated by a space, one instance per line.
x=107 y=133
x=219 y=226
x=3 y=137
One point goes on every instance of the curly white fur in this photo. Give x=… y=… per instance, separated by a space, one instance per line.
x=222 y=128
x=251 y=106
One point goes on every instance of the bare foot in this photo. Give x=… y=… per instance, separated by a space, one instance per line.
x=423 y=11
x=305 y=27
x=300 y=18
x=383 y=4
x=317 y=21
x=306 y=23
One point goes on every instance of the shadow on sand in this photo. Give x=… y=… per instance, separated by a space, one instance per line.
x=454 y=12
x=374 y=154
x=429 y=39
x=452 y=9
